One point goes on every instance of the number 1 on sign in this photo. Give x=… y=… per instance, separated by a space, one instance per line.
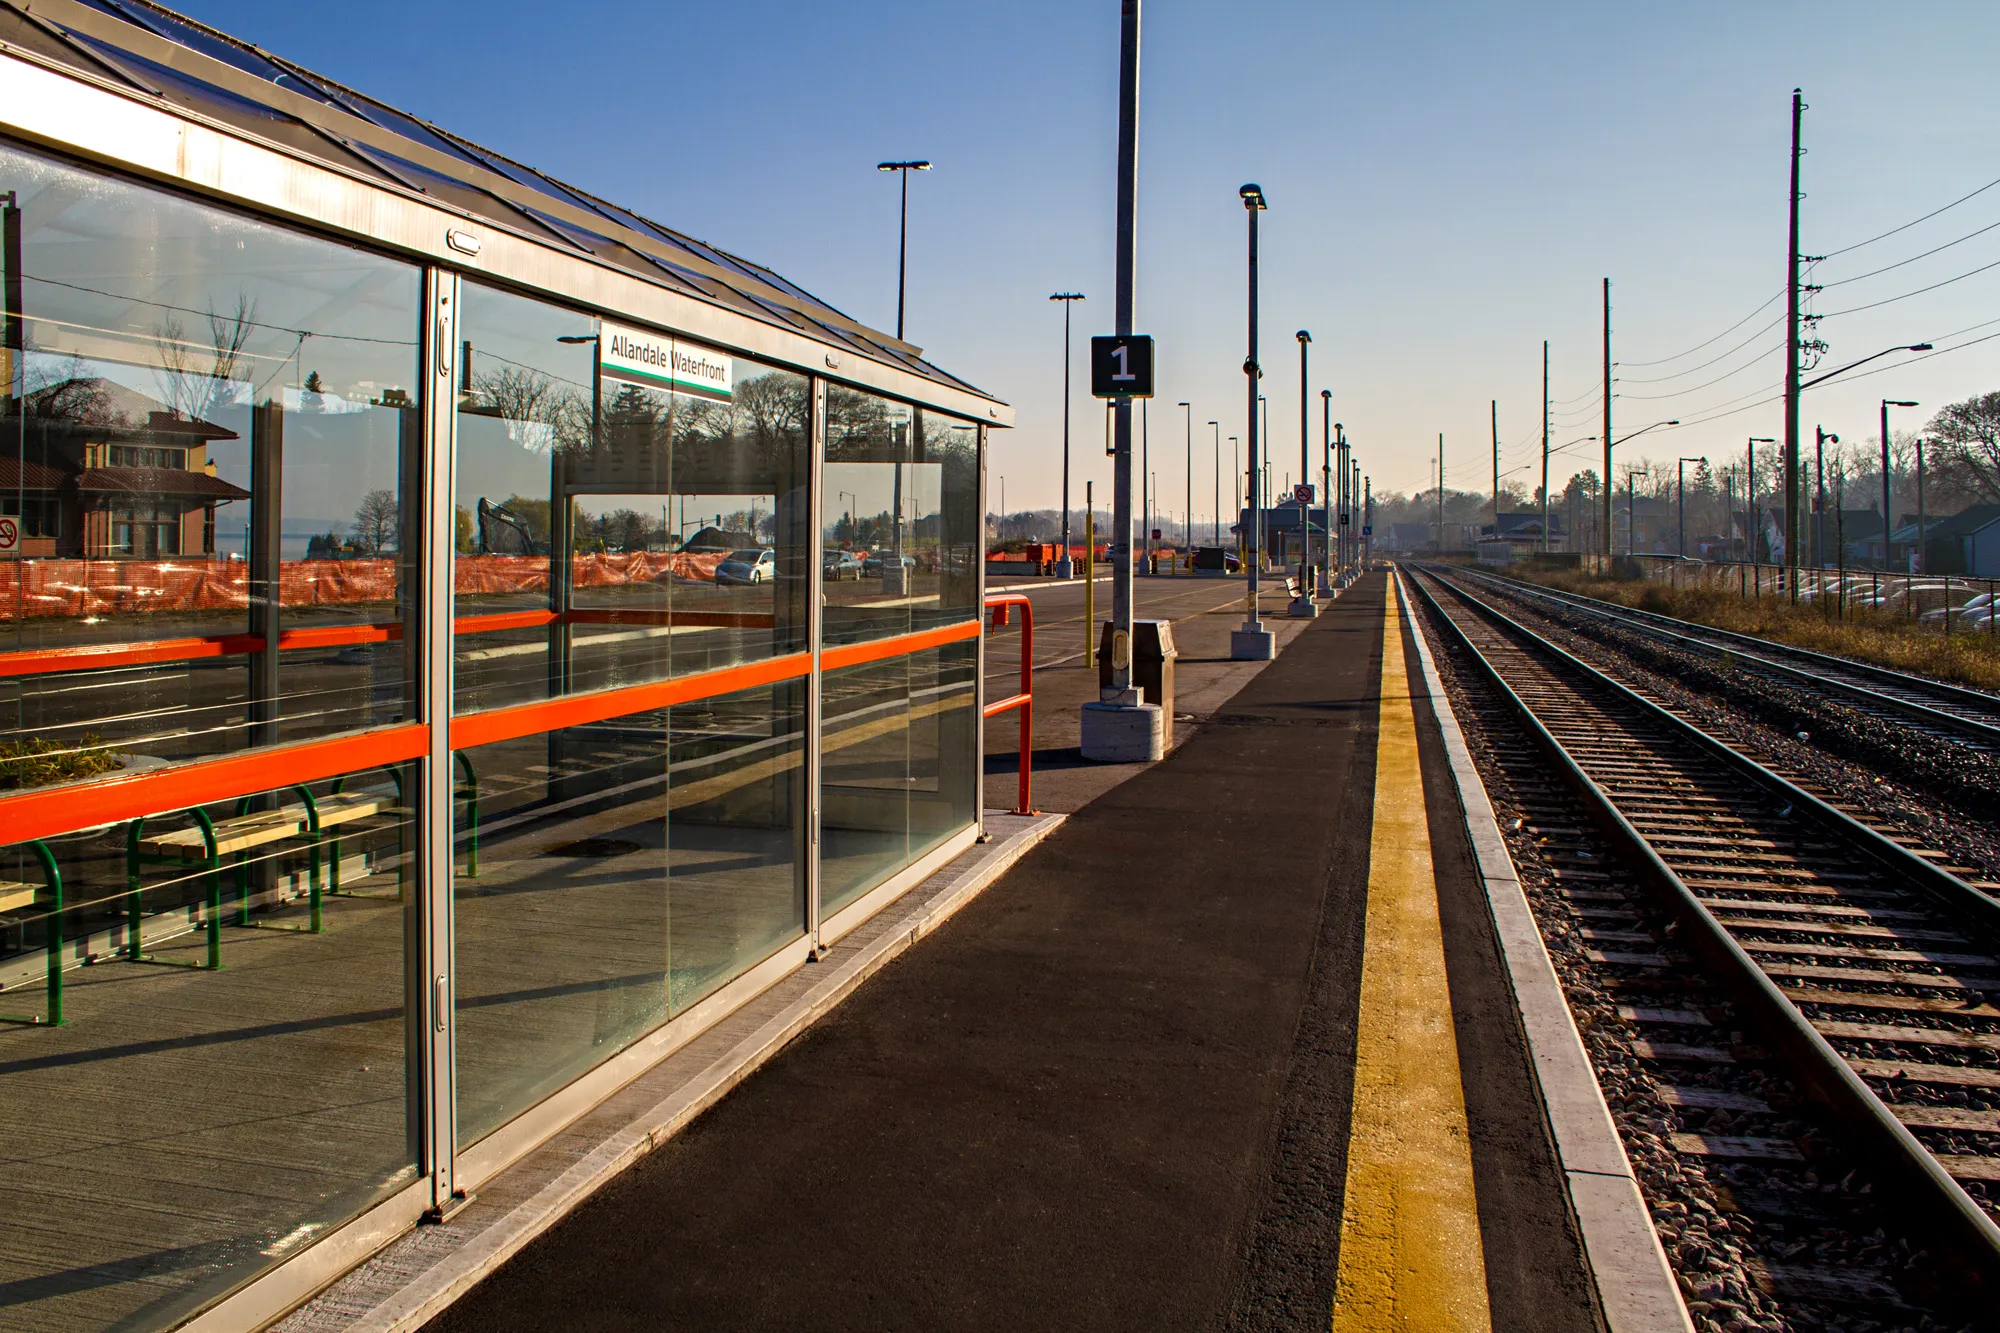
x=1124 y=363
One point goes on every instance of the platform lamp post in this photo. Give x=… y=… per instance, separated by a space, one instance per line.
x=1189 y=511
x=1326 y=492
x=1681 y=484
x=1750 y=488
x=1216 y=513
x=903 y=243
x=1064 y=568
x=1302 y=606
x=1236 y=500
x=1888 y=519
x=1821 y=438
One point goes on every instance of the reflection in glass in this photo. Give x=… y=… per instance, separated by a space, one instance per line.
x=647 y=494
x=901 y=504
x=207 y=442
x=898 y=752
x=659 y=863
x=221 y=1100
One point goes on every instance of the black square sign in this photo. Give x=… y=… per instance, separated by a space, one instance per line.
x=1121 y=366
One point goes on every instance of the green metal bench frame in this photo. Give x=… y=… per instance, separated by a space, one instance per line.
x=52 y=879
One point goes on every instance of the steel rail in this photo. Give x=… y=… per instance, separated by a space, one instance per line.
x=1765 y=650
x=1940 y=1205
x=1987 y=733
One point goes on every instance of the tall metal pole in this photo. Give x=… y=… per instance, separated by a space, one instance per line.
x=1333 y=531
x=1252 y=642
x=1120 y=689
x=1440 y=493
x=1792 y=349
x=1545 y=445
x=1917 y=565
x=1609 y=489
x=1064 y=568
x=1145 y=488
x=1215 y=514
x=903 y=255
x=1888 y=520
x=1302 y=605
x=1187 y=534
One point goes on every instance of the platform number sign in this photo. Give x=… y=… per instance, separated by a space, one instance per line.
x=1343 y=520
x=1121 y=366
x=10 y=535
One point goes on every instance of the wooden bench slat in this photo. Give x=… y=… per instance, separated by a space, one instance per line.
x=14 y=894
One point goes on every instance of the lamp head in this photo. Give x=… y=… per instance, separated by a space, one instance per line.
x=902 y=166
x=1326 y=393
x=1183 y=404
x=1067 y=296
x=1675 y=422
x=1918 y=347
x=1303 y=337
x=577 y=338
x=1253 y=197
x=1898 y=402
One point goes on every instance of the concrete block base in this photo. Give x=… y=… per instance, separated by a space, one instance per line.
x=895 y=581
x=1252 y=643
x=1123 y=733
x=1065 y=569
x=1302 y=608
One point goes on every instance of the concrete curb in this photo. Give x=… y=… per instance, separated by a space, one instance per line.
x=411 y=1280
x=1635 y=1287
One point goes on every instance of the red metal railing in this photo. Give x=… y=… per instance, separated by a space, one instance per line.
x=998 y=604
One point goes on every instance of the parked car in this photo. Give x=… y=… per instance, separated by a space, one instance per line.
x=747 y=567
x=841 y=566
x=873 y=566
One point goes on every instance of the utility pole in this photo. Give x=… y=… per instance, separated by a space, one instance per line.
x=1792 y=350
x=1545 y=445
x=1496 y=469
x=1609 y=489
x=1440 y=494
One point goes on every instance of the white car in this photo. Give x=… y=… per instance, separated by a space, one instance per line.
x=747 y=567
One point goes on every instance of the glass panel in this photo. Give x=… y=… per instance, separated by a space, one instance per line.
x=215 y=1104
x=682 y=511
x=210 y=437
x=617 y=873
x=898 y=748
x=901 y=504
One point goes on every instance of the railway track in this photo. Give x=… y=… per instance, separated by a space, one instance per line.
x=1868 y=975
x=1951 y=712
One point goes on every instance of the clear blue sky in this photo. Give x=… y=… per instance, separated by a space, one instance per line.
x=1449 y=183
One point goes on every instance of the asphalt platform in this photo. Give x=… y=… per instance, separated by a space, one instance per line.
x=1118 y=1090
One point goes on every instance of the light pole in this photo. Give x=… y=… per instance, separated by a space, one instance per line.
x=1187 y=537
x=1326 y=491
x=1917 y=562
x=1064 y=569
x=1632 y=475
x=1680 y=481
x=1792 y=428
x=1750 y=489
x=1302 y=606
x=1216 y=513
x=1145 y=472
x=854 y=500
x=1821 y=436
x=1253 y=643
x=1611 y=490
x=1236 y=500
x=1888 y=517
x=903 y=244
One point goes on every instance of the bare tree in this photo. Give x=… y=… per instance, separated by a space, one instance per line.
x=375 y=521
x=193 y=380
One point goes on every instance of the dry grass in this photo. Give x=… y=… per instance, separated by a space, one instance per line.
x=37 y=763
x=1886 y=638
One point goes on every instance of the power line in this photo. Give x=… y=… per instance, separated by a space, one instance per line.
x=1907 y=225
x=1708 y=341
x=1722 y=356
x=1911 y=260
x=1918 y=292
x=1695 y=388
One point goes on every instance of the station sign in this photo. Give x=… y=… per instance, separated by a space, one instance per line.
x=1121 y=366
x=655 y=361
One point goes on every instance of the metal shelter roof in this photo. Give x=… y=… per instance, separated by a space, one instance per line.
x=153 y=53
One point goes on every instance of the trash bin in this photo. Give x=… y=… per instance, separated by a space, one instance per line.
x=1153 y=655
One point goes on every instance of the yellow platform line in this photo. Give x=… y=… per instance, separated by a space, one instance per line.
x=1410 y=1253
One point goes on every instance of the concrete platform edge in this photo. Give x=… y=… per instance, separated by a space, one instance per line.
x=1635 y=1287
x=408 y=1282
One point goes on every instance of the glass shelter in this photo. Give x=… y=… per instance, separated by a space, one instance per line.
x=458 y=639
